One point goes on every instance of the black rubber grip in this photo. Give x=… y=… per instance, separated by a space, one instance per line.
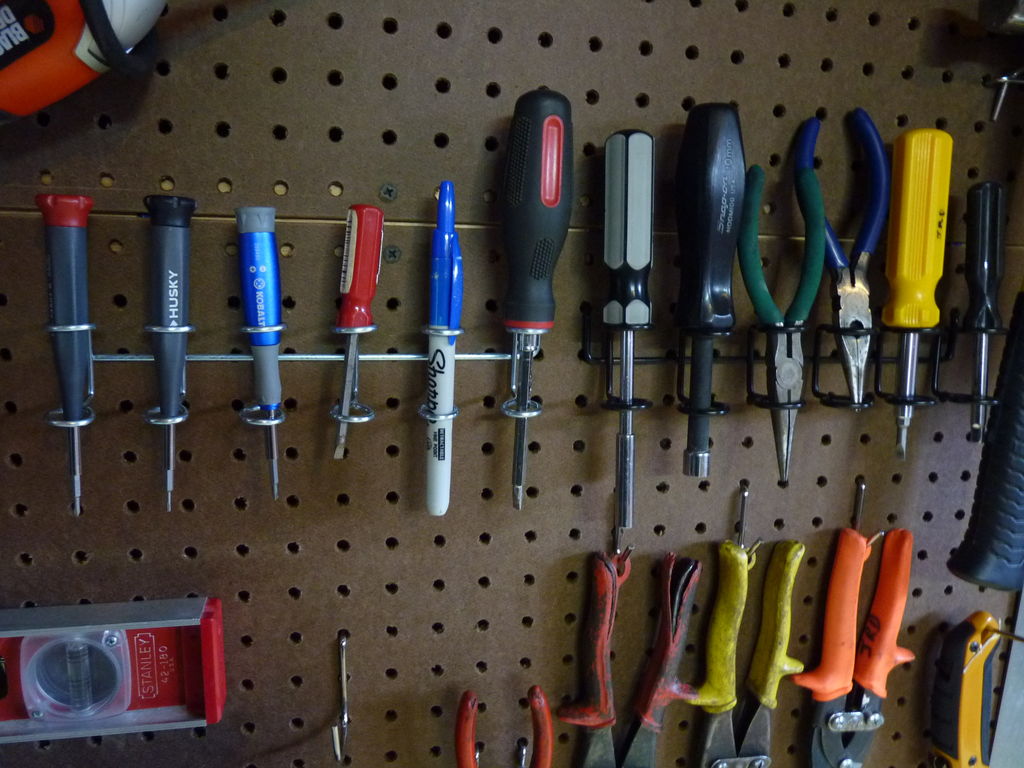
x=535 y=205
x=69 y=306
x=948 y=688
x=992 y=552
x=709 y=197
x=986 y=225
x=170 y=244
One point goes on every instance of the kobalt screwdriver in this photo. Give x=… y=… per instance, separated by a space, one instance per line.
x=261 y=302
x=917 y=238
x=709 y=190
x=628 y=227
x=360 y=270
x=535 y=206
x=66 y=218
x=170 y=243
x=986 y=217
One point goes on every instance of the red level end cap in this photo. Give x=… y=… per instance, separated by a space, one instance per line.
x=64 y=210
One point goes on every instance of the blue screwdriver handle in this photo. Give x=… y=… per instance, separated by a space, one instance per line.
x=261 y=297
x=170 y=240
x=65 y=217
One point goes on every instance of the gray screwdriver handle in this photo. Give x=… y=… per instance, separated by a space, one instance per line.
x=170 y=243
x=628 y=227
x=66 y=217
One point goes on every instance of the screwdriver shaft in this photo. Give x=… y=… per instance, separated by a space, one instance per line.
x=907 y=374
x=75 y=467
x=625 y=441
x=271 y=443
x=524 y=346
x=979 y=411
x=349 y=386
x=169 y=451
x=697 y=458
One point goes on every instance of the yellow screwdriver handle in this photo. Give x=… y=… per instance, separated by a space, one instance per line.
x=921 y=161
x=771 y=659
x=718 y=692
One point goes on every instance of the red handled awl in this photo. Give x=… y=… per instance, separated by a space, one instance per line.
x=360 y=270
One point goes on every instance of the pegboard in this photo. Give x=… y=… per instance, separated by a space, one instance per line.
x=313 y=106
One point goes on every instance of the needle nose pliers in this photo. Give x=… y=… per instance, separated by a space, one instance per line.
x=851 y=308
x=784 y=353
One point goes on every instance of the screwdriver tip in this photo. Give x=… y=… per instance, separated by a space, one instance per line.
x=901 y=443
x=517 y=496
x=339 y=444
x=168 y=501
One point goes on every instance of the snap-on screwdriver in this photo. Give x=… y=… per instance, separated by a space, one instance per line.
x=360 y=270
x=261 y=302
x=986 y=217
x=66 y=219
x=170 y=242
x=917 y=238
x=709 y=190
x=628 y=227
x=535 y=207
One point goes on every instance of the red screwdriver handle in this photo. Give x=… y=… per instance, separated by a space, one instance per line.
x=877 y=652
x=360 y=266
x=595 y=707
x=535 y=205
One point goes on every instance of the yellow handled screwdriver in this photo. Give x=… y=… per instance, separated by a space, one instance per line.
x=917 y=238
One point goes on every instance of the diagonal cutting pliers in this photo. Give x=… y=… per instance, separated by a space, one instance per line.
x=466 y=752
x=742 y=739
x=594 y=708
x=851 y=308
x=784 y=353
x=848 y=686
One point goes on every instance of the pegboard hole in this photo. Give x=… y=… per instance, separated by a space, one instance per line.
x=494 y=35
x=335 y=20
x=390 y=25
x=646 y=48
x=692 y=52
x=190 y=553
x=788 y=9
x=736 y=57
x=342 y=500
x=389 y=137
x=280 y=188
x=545 y=40
x=595 y=44
x=389 y=81
x=642 y=101
x=295 y=637
x=335 y=78
x=279 y=75
x=444 y=30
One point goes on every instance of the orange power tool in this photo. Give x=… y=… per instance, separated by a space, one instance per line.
x=848 y=686
x=51 y=48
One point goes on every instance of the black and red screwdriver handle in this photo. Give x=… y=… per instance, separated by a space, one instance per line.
x=595 y=706
x=535 y=205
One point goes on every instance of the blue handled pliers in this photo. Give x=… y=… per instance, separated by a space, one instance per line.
x=850 y=299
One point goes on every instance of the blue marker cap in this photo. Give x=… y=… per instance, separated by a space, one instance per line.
x=446 y=265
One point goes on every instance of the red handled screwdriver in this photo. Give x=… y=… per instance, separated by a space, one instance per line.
x=360 y=270
x=535 y=207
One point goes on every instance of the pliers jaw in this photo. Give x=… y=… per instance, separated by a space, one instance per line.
x=785 y=362
x=465 y=730
x=843 y=733
x=852 y=310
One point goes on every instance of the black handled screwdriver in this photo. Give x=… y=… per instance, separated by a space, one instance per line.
x=986 y=217
x=628 y=228
x=535 y=206
x=170 y=238
x=66 y=218
x=709 y=189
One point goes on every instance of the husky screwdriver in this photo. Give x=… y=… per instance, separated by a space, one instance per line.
x=170 y=241
x=535 y=206
x=65 y=217
x=261 y=301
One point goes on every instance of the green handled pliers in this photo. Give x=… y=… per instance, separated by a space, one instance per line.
x=784 y=353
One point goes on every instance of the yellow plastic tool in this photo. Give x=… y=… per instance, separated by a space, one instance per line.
x=772 y=661
x=718 y=691
x=921 y=163
x=918 y=214
x=961 y=719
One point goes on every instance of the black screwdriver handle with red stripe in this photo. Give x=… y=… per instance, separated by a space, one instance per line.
x=535 y=206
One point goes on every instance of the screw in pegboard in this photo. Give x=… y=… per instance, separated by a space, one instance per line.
x=388 y=192
x=392 y=253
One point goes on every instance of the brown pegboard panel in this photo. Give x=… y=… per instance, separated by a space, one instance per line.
x=485 y=598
